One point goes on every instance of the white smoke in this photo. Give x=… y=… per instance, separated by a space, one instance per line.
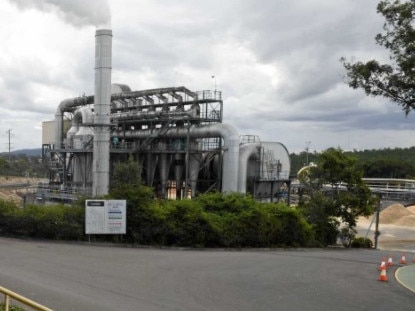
x=75 y=12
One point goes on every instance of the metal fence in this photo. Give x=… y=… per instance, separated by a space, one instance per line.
x=8 y=295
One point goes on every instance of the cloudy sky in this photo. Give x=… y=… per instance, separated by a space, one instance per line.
x=276 y=62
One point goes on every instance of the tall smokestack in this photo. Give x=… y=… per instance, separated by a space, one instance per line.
x=102 y=99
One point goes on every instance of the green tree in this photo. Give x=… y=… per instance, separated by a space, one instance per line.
x=396 y=80
x=126 y=173
x=144 y=216
x=336 y=194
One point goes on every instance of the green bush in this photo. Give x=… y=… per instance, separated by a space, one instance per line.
x=57 y=222
x=362 y=242
x=188 y=225
x=210 y=220
x=243 y=222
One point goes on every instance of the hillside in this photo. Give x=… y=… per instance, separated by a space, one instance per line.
x=37 y=152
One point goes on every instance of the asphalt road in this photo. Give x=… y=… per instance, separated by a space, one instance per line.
x=89 y=277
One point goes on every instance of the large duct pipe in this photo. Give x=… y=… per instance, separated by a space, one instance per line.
x=226 y=131
x=102 y=109
x=245 y=152
x=82 y=116
x=66 y=105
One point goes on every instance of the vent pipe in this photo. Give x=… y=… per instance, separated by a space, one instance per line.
x=102 y=110
x=245 y=152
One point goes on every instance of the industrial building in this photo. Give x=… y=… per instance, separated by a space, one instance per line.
x=176 y=135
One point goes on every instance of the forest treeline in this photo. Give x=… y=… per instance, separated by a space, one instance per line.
x=375 y=163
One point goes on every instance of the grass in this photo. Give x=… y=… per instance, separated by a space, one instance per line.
x=11 y=308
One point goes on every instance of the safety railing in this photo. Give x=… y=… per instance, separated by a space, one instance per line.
x=25 y=301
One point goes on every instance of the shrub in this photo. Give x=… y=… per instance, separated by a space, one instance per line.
x=45 y=222
x=243 y=222
x=362 y=242
x=347 y=235
x=211 y=220
x=188 y=225
x=11 y=308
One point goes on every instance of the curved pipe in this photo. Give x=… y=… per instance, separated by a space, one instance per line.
x=66 y=105
x=81 y=116
x=226 y=131
x=245 y=152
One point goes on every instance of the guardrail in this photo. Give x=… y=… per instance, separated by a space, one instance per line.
x=27 y=302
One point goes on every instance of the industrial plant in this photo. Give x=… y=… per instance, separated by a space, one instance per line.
x=175 y=134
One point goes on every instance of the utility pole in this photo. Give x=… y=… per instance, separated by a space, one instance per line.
x=307 y=150
x=9 y=134
x=377 y=232
x=214 y=77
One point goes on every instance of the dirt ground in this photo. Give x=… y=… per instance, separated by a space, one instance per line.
x=396 y=226
x=11 y=188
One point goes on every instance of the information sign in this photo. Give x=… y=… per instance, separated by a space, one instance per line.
x=105 y=216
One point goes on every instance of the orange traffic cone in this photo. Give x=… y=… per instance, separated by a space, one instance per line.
x=383 y=277
x=403 y=259
x=390 y=262
x=382 y=264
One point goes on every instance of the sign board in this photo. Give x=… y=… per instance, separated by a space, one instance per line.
x=105 y=216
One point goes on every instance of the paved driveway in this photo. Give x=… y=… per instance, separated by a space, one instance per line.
x=86 y=277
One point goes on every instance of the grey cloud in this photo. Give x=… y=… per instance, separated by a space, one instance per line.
x=279 y=27
x=345 y=120
x=75 y=12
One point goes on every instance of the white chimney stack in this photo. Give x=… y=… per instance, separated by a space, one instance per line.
x=102 y=109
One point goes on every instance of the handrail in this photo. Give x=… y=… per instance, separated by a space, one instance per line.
x=26 y=301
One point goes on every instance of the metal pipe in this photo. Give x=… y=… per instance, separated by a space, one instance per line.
x=245 y=152
x=82 y=116
x=65 y=105
x=193 y=172
x=79 y=137
x=28 y=302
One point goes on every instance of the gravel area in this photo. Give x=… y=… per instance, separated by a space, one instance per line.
x=396 y=225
